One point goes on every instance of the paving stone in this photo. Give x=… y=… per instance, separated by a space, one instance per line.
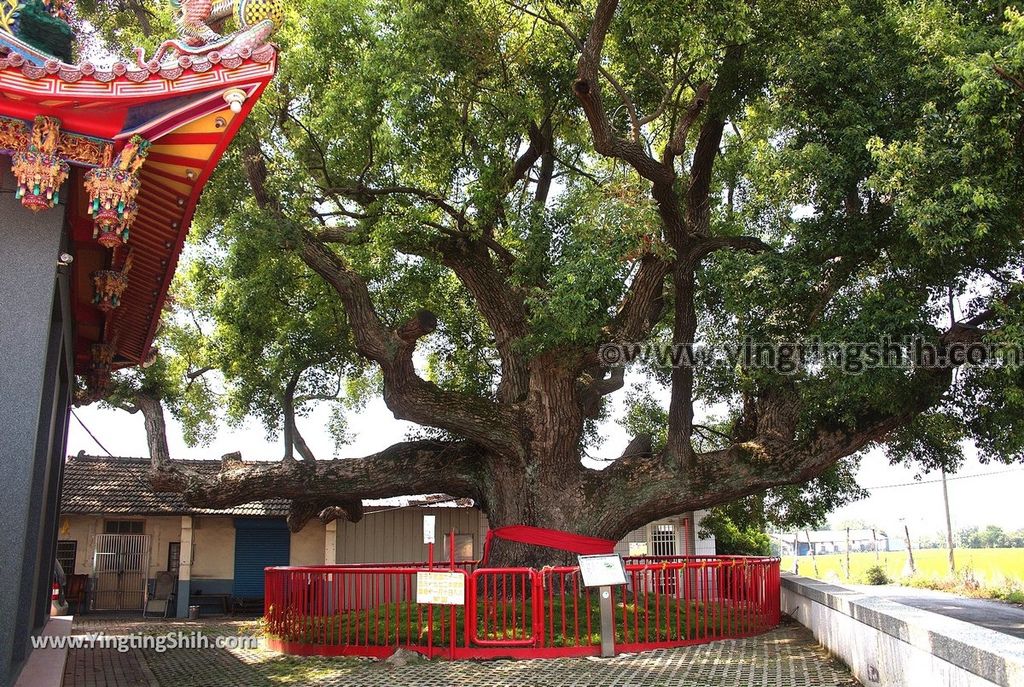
x=785 y=657
x=107 y=668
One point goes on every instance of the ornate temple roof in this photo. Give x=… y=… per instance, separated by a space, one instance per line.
x=132 y=144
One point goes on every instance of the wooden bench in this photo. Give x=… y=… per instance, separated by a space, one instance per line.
x=222 y=601
x=247 y=605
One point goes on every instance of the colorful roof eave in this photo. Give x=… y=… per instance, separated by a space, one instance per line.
x=190 y=206
x=186 y=145
x=96 y=102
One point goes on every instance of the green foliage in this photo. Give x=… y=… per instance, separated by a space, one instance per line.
x=178 y=379
x=740 y=527
x=120 y=26
x=876 y=575
x=989 y=537
x=872 y=145
x=966 y=583
x=731 y=540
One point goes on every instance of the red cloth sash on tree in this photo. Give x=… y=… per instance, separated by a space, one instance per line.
x=555 y=539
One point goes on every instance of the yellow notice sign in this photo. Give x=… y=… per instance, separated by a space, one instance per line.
x=446 y=588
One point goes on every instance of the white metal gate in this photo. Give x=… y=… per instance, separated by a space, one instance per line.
x=663 y=543
x=121 y=568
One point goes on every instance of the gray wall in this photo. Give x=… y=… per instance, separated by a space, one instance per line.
x=887 y=644
x=35 y=383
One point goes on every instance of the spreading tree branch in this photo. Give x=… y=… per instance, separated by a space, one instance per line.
x=588 y=91
x=407 y=395
x=414 y=467
x=768 y=453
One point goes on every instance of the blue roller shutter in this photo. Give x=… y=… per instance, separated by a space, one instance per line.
x=258 y=543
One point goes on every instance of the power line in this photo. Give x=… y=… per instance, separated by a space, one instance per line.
x=93 y=436
x=948 y=479
x=127 y=468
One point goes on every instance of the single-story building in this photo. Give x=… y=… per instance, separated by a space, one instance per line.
x=829 y=541
x=120 y=534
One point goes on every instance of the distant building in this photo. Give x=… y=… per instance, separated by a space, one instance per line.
x=829 y=541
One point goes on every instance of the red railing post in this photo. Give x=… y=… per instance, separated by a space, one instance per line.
x=538 y=606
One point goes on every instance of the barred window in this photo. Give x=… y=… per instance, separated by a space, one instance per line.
x=663 y=540
x=124 y=527
x=67 y=551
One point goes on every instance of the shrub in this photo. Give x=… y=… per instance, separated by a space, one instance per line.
x=876 y=575
x=968 y=581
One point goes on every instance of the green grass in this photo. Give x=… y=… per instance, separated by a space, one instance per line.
x=989 y=566
x=649 y=617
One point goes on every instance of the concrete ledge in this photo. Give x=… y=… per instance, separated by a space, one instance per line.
x=45 y=667
x=887 y=643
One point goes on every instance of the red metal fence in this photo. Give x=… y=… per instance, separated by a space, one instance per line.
x=519 y=612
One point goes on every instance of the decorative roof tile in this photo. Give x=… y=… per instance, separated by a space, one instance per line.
x=169 y=70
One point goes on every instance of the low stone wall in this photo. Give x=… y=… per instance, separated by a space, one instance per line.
x=45 y=667
x=887 y=643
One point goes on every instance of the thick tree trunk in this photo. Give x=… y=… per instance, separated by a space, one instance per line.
x=513 y=500
x=545 y=485
x=156 y=429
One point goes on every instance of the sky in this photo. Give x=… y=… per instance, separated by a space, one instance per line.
x=979 y=494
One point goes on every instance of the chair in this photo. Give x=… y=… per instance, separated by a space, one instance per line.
x=75 y=594
x=160 y=603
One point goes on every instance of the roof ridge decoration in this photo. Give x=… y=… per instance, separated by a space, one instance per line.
x=197 y=49
x=256 y=19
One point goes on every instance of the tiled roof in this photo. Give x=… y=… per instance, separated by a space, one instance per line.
x=96 y=484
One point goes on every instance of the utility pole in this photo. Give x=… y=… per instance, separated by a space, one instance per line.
x=945 y=491
x=874 y=540
x=910 y=551
x=847 y=554
x=814 y=559
x=949 y=525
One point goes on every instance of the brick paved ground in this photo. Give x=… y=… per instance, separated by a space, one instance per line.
x=107 y=668
x=785 y=657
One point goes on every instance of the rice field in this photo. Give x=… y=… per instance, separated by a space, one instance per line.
x=988 y=566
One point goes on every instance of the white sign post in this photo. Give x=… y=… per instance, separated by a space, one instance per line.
x=428 y=529
x=604 y=571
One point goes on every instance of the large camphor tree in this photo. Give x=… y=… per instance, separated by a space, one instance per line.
x=456 y=203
